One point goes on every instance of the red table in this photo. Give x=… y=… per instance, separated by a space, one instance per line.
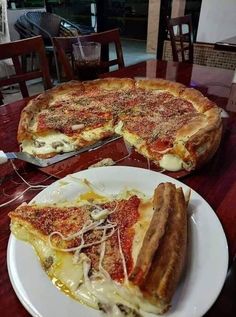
x=215 y=182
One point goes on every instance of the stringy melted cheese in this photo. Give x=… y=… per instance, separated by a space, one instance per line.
x=96 y=290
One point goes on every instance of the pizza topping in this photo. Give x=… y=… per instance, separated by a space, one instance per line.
x=38 y=143
x=77 y=126
x=73 y=229
x=57 y=144
x=177 y=107
x=161 y=145
x=99 y=213
x=72 y=120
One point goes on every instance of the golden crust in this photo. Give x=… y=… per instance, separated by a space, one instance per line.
x=200 y=102
x=161 y=84
x=204 y=144
x=162 y=204
x=110 y=83
x=169 y=260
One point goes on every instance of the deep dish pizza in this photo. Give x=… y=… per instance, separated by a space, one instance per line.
x=174 y=126
x=122 y=254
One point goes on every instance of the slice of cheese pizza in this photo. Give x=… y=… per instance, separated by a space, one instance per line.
x=123 y=255
x=63 y=120
x=175 y=126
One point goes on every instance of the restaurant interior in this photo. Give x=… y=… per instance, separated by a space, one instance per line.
x=105 y=102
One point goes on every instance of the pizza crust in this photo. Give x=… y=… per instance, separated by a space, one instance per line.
x=169 y=260
x=161 y=85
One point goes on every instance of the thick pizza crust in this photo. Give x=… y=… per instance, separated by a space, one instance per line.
x=161 y=259
x=113 y=84
x=170 y=257
x=194 y=144
x=160 y=85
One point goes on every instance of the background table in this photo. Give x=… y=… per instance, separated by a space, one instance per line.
x=215 y=182
x=226 y=45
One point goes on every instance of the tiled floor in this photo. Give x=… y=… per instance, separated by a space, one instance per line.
x=134 y=51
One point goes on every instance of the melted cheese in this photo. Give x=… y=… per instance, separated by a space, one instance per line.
x=67 y=272
x=46 y=142
x=171 y=162
x=69 y=277
x=97 y=133
x=131 y=138
x=58 y=142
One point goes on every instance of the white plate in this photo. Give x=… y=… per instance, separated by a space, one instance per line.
x=207 y=250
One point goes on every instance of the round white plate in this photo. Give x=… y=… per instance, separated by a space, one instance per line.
x=207 y=249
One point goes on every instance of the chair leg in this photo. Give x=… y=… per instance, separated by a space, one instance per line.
x=1 y=98
x=24 y=63
x=57 y=66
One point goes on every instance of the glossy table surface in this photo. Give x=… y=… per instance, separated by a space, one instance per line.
x=228 y=44
x=215 y=182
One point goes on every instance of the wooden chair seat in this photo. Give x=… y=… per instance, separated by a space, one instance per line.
x=64 y=50
x=15 y=51
x=181 y=42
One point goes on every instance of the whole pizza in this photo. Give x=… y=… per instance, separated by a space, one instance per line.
x=174 y=126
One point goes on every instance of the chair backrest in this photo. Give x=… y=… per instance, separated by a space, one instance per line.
x=52 y=25
x=46 y=24
x=14 y=50
x=181 y=39
x=24 y=28
x=64 y=47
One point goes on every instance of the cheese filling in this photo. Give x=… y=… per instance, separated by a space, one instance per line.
x=97 y=133
x=171 y=162
x=96 y=290
x=50 y=143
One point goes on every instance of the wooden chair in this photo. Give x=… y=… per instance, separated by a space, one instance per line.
x=50 y=25
x=64 y=50
x=14 y=50
x=181 y=42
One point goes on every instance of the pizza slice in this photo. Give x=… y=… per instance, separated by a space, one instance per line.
x=177 y=128
x=63 y=120
x=121 y=255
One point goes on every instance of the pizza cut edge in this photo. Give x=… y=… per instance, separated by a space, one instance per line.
x=158 y=264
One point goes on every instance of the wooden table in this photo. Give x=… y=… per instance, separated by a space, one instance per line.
x=215 y=182
x=227 y=44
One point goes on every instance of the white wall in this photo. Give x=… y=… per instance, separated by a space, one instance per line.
x=217 y=20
